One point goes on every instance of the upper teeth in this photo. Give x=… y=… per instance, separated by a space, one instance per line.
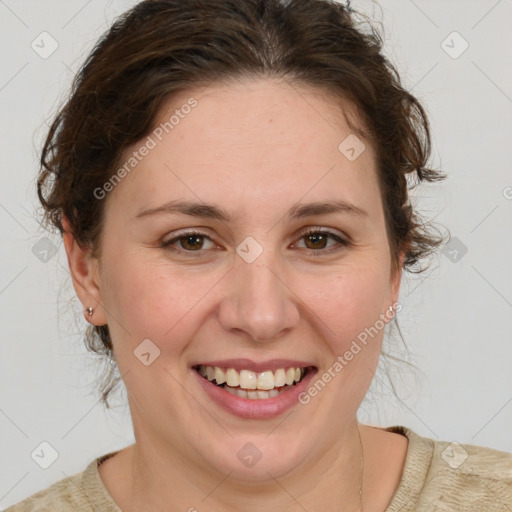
x=247 y=379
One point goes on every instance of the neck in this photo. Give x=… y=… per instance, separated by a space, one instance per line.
x=166 y=480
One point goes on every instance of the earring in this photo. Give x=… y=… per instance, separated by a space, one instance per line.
x=90 y=311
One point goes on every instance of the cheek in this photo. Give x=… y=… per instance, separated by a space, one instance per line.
x=347 y=303
x=351 y=308
x=147 y=299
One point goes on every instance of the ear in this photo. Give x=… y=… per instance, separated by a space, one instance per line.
x=395 y=281
x=397 y=277
x=84 y=271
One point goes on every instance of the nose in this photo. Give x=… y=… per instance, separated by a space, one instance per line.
x=259 y=302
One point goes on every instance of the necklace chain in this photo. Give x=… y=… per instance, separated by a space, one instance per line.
x=362 y=470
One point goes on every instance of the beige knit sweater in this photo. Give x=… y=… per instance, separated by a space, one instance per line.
x=438 y=476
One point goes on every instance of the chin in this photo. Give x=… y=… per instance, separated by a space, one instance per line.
x=256 y=458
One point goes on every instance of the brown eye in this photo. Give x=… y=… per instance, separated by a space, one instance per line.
x=191 y=242
x=317 y=241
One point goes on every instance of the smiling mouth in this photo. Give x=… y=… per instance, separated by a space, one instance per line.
x=253 y=385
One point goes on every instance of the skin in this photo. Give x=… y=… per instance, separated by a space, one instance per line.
x=255 y=148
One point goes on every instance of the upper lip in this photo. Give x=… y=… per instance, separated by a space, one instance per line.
x=256 y=366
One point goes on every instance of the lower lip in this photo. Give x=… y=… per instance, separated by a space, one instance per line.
x=260 y=409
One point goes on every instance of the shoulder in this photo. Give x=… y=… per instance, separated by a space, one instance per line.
x=477 y=476
x=449 y=476
x=66 y=494
x=82 y=491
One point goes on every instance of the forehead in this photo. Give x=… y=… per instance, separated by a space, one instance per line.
x=250 y=141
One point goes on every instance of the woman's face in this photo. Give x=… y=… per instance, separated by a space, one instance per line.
x=252 y=286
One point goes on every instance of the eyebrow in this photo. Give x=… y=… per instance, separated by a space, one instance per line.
x=211 y=211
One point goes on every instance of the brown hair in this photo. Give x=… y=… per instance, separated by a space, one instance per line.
x=164 y=46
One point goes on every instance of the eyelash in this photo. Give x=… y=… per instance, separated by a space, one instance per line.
x=342 y=243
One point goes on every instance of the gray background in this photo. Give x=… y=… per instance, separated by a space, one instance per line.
x=456 y=318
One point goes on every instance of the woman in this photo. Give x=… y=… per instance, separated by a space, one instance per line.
x=230 y=180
